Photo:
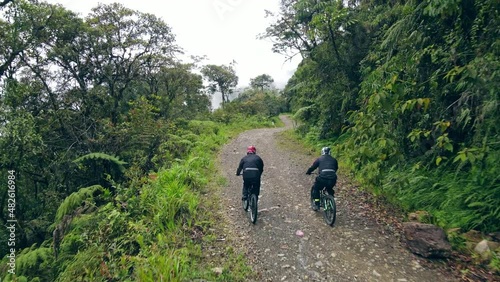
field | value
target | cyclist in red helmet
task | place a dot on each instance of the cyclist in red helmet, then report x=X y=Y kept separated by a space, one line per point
x=252 y=167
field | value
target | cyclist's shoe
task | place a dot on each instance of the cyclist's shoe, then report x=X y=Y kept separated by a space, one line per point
x=244 y=198
x=315 y=205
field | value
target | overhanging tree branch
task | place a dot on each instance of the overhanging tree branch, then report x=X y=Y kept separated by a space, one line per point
x=5 y=2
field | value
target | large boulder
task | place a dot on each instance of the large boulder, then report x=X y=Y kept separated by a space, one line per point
x=426 y=240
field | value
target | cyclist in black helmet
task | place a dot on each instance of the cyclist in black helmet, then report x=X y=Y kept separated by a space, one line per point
x=327 y=167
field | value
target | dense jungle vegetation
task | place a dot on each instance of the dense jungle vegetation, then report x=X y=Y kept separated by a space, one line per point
x=113 y=139
x=408 y=92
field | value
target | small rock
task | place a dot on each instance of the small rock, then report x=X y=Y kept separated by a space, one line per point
x=299 y=233
x=485 y=247
x=376 y=273
x=482 y=247
x=318 y=264
x=218 y=270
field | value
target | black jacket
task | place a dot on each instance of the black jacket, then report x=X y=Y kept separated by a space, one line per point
x=327 y=167
x=251 y=165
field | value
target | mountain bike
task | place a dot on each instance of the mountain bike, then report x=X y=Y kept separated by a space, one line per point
x=327 y=203
x=251 y=203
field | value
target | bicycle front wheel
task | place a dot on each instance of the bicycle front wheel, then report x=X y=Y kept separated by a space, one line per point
x=329 y=209
x=253 y=208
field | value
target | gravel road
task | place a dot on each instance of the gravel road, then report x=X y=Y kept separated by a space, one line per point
x=356 y=248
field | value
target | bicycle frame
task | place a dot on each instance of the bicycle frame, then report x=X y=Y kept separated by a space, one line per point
x=327 y=202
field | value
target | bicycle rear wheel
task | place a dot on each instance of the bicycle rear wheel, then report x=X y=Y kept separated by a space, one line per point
x=253 y=208
x=329 y=209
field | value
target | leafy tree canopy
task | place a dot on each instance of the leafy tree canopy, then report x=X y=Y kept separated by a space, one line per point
x=222 y=79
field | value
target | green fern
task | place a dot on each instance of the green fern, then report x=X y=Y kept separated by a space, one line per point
x=302 y=113
x=34 y=262
x=75 y=200
x=102 y=156
x=85 y=263
x=33 y=258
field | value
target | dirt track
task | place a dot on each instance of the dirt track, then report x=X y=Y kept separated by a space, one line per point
x=357 y=248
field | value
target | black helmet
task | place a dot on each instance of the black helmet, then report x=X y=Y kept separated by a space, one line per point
x=325 y=151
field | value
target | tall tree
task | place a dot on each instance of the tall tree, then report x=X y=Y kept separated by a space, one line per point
x=22 y=28
x=261 y=82
x=221 y=79
x=174 y=88
x=123 y=42
x=332 y=42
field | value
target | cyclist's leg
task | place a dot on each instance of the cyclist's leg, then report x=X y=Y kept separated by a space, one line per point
x=245 y=189
x=329 y=186
x=315 y=192
x=256 y=187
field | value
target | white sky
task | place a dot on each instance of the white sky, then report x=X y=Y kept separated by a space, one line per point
x=223 y=30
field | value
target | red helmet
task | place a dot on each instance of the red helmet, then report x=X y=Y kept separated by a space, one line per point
x=251 y=150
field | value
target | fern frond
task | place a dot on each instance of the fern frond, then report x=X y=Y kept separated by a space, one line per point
x=301 y=112
x=33 y=259
x=75 y=200
x=102 y=156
